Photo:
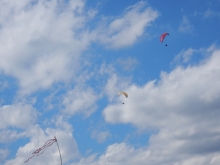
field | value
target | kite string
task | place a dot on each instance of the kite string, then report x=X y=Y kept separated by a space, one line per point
x=58 y=149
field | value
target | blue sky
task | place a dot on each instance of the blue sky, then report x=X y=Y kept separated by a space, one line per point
x=63 y=63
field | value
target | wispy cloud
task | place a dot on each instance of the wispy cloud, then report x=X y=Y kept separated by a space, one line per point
x=101 y=136
x=127 y=64
x=125 y=30
x=185 y=55
x=185 y=26
x=8 y=135
x=209 y=13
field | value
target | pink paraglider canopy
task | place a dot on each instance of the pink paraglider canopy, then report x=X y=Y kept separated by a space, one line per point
x=163 y=36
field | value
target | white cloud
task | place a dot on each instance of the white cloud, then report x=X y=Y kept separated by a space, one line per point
x=123 y=153
x=215 y=160
x=17 y=115
x=38 y=137
x=3 y=154
x=113 y=82
x=185 y=55
x=80 y=100
x=175 y=92
x=118 y=154
x=39 y=42
x=185 y=26
x=125 y=31
x=114 y=85
x=10 y=135
x=184 y=107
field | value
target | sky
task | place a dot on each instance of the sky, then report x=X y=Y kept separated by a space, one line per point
x=63 y=62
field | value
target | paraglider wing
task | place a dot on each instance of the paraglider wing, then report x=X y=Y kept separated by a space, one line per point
x=163 y=36
x=124 y=93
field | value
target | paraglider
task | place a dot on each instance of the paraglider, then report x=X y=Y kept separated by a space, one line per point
x=124 y=93
x=162 y=37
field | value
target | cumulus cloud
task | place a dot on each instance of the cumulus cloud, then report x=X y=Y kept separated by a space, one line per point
x=10 y=135
x=17 y=115
x=80 y=100
x=39 y=42
x=39 y=136
x=125 y=30
x=114 y=85
x=174 y=89
x=123 y=153
x=183 y=106
x=3 y=154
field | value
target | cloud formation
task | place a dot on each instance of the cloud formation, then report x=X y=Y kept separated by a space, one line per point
x=80 y=100
x=40 y=41
x=183 y=106
x=18 y=115
x=209 y=13
x=37 y=43
x=46 y=48
x=125 y=30
x=38 y=136
x=127 y=64
x=185 y=26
